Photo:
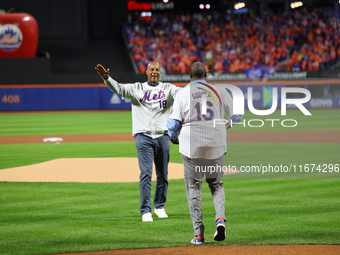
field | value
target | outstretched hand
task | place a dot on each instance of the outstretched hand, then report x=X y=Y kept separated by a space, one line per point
x=102 y=72
x=206 y=71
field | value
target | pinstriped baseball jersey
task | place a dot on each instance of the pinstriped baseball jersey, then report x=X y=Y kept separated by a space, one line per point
x=199 y=137
x=150 y=104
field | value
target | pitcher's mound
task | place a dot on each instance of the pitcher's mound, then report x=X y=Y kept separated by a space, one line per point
x=83 y=170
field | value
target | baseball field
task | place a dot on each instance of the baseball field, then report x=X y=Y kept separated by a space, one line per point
x=81 y=195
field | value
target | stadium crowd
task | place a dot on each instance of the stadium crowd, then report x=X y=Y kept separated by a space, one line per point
x=300 y=40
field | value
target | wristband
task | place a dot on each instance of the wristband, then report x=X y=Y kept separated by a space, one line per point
x=106 y=77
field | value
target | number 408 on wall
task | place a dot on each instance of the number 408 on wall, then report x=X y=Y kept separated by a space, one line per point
x=10 y=99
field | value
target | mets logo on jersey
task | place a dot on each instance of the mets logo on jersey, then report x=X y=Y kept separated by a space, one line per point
x=10 y=37
x=211 y=94
x=152 y=97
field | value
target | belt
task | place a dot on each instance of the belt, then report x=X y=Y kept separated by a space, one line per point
x=163 y=132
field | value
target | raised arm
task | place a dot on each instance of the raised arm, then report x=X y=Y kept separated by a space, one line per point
x=125 y=91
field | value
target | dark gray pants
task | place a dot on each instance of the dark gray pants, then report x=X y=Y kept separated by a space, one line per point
x=150 y=150
x=194 y=172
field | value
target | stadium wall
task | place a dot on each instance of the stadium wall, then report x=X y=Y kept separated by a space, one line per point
x=324 y=93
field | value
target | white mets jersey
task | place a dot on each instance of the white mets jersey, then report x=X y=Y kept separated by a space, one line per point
x=150 y=105
x=197 y=106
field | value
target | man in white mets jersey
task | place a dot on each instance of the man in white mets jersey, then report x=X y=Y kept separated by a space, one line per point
x=202 y=144
x=151 y=102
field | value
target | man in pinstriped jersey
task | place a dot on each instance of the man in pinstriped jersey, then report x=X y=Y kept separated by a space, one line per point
x=202 y=144
x=151 y=102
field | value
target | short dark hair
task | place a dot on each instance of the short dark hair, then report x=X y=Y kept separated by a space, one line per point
x=197 y=70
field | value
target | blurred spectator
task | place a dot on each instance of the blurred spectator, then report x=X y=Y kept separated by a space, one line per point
x=299 y=40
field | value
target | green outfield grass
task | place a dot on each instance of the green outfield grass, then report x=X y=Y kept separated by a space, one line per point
x=45 y=218
x=47 y=123
x=319 y=120
x=107 y=122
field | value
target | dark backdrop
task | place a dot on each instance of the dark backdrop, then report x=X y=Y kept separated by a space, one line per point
x=76 y=34
x=77 y=21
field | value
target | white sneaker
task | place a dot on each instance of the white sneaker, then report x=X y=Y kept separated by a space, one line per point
x=147 y=217
x=161 y=213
